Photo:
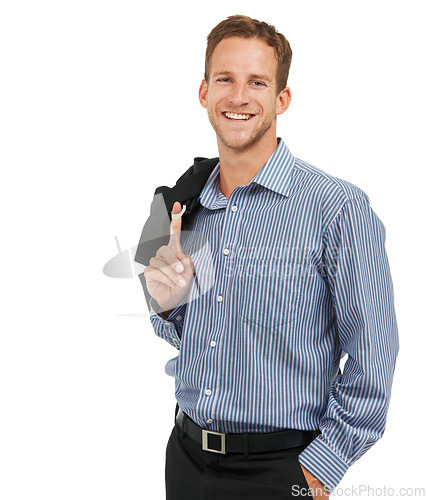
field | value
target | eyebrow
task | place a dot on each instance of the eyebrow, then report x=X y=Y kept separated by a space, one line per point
x=253 y=75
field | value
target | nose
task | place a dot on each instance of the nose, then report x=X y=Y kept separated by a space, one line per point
x=238 y=94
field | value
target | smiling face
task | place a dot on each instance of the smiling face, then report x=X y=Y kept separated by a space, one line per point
x=241 y=95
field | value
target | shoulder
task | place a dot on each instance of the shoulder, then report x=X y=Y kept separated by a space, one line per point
x=200 y=169
x=200 y=164
x=328 y=184
x=330 y=193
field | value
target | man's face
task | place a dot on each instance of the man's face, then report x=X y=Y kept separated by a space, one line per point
x=243 y=81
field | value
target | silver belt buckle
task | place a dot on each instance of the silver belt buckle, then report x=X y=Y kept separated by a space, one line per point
x=205 y=444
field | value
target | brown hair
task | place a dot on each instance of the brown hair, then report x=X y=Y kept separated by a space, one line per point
x=246 y=27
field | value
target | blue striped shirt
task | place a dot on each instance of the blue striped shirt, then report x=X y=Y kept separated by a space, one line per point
x=291 y=274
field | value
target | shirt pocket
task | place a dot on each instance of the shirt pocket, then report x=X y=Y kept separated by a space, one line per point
x=268 y=292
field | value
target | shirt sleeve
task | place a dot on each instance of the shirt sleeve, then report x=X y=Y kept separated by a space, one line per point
x=169 y=329
x=358 y=275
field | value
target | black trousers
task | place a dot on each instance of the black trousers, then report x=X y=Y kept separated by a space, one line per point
x=194 y=474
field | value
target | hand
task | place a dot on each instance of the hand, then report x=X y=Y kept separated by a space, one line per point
x=319 y=491
x=169 y=274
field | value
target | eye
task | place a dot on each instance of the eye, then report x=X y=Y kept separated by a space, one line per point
x=222 y=79
x=259 y=84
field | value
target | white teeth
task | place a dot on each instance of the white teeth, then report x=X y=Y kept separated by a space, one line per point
x=236 y=116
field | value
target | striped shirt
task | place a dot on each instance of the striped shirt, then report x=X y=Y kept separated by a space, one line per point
x=291 y=274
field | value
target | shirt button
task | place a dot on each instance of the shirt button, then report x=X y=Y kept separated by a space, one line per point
x=209 y=421
x=213 y=343
x=208 y=392
x=168 y=324
x=178 y=318
x=226 y=251
x=219 y=298
x=234 y=208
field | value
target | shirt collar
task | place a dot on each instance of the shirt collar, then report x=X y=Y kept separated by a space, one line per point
x=275 y=174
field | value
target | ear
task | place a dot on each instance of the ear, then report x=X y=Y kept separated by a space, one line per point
x=202 y=93
x=283 y=101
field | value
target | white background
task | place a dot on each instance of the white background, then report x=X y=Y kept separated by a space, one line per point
x=99 y=106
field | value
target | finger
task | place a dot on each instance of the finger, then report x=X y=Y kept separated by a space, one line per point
x=188 y=266
x=153 y=274
x=166 y=253
x=186 y=269
x=161 y=265
x=175 y=229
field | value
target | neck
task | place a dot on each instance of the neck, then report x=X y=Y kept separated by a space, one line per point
x=237 y=168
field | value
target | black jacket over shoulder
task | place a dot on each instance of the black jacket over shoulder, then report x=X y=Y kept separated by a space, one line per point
x=156 y=231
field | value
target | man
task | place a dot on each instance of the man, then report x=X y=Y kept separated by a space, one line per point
x=281 y=270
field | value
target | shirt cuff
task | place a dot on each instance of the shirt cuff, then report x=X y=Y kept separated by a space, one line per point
x=176 y=316
x=324 y=463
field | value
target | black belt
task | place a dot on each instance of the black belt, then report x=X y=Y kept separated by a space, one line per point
x=218 y=442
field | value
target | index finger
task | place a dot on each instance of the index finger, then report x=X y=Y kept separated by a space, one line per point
x=175 y=229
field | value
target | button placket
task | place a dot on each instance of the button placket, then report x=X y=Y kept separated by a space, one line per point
x=222 y=283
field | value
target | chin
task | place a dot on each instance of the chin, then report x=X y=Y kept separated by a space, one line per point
x=235 y=141
x=239 y=143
